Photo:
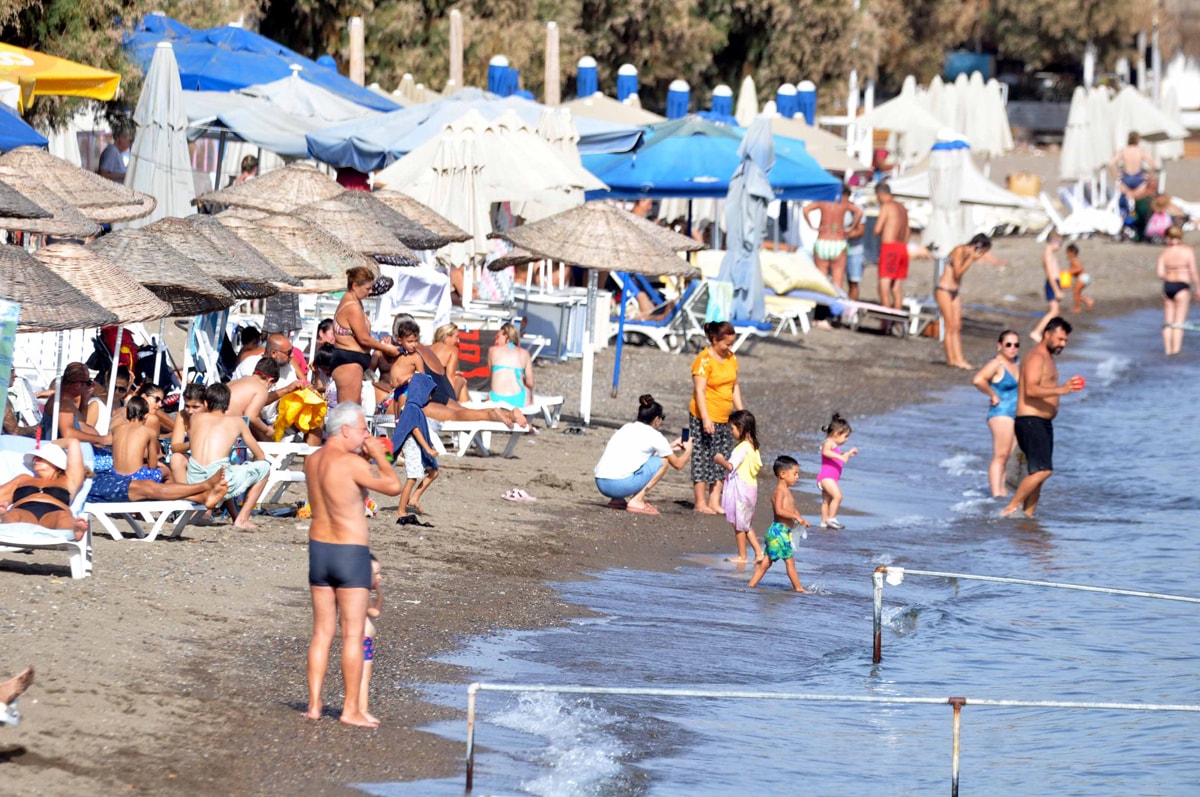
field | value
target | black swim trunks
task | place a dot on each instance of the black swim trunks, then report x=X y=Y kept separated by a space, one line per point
x=1172 y=288
x=1035 y=436
x=339 y=566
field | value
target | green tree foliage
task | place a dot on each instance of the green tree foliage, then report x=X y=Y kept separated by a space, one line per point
x=1048 y=32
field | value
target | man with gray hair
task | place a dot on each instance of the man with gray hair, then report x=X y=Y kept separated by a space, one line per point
x=350 y=463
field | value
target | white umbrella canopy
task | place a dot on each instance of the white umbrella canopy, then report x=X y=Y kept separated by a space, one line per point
x=498 y=160
x=1134 y=113
x=159 y=164
x=1171 y=149
x=747 y=102
x=934 y=98
x=828 y=150
x=307 y=101
x=963 y=112
x=996 y=98
x=1075 y=161
x=905 y=116
x=606 y=109
x=947 y=223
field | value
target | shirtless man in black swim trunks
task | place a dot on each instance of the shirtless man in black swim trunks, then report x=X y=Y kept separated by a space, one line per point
x=1038 y=392
x=339 y=562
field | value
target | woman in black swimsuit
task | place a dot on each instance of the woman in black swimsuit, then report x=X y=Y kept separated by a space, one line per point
x=352 y=339
x=1176 y=267
x=45 y=497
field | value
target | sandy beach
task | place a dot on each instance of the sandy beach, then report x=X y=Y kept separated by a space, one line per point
x=178 y=668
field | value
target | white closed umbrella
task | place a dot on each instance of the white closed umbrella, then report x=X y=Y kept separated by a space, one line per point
x=1133 y=112
x=747 y=102
x=1100 y=126
x=159 y=164
x=996 y=97
x=1075 y=160
x=947 y=226
x=905 y=116
x=1171 y=149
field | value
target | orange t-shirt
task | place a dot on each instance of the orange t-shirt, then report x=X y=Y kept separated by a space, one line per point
x=718 y=391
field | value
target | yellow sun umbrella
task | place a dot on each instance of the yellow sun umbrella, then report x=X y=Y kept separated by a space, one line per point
x=41 y=75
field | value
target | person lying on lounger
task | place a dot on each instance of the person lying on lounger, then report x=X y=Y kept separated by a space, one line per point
x=44 y=498
x=135 y=448
x=417 y=357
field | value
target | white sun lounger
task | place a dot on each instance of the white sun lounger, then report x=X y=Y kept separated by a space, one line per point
x=18 y=537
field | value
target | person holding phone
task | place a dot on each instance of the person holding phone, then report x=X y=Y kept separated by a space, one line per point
x=636 y=458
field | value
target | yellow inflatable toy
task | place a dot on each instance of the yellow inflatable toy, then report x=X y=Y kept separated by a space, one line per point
x=304 y=410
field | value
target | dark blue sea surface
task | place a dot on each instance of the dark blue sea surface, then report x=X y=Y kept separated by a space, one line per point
x=1120 y=511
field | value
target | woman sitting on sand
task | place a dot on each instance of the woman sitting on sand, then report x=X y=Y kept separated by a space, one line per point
x=636 y=457
x=947 y=294
x=998 y=380
x=44 y=498
x=1177 y=269
x=511 y=368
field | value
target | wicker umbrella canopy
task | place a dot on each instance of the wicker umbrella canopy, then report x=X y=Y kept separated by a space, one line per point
x=599 y=235
x=14 y=204
x=244 y=224
x=172 y=277
x=250 y=261
x=324 y=285
x=66 y=222
x=409 y=232
x=104 y=282
x=48 y=303
x=316 y=246
x=96 y=197
x=233 y=276
x=666 y=236
x=422 y=214
x=513 y=257
x=357 y=230
x=280 y=191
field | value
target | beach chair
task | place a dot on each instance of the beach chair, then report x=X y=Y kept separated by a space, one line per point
x=282 y=456
x=30 y=537
x=549 y=407
x=665 y=333
x=465 y=434
x=789 y=313
x=751 y=332
x=1081 y=223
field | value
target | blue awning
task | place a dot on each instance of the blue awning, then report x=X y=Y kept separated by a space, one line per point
x=15 y=133
x=228 y=58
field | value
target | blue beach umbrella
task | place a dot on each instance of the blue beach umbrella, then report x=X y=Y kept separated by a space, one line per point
x=785 y=100
x=497 y=76
x=722 y=107
x=587 y=80
x=746 y=222
x=692 y=158
x=627 y=81
x=806 y=100
x=15 y=133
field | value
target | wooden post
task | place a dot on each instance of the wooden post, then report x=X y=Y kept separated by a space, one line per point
x=358 y=70
x=456 y=51
x=553 y=83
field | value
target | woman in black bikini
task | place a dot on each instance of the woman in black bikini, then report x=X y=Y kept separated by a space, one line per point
x=1177 y=269
x=44 y=498
x=950 y=303
x=352 y=339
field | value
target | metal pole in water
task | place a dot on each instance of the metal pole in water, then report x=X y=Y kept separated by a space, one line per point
x=471 y=690
x=877 y=582
x=957 y=703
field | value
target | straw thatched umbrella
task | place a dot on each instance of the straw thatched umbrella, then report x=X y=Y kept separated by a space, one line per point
x=172 y=277
x=250 y=261
x=48 y=303
x=316 y=246
x=235 y=277
x=245 y=225
x=409 y=232
x=422 y=214
x=15 y=205
x=66 y=221
x=110 y=287
x=358 y=231
x=599 y=235
x=96 y=197
x=280 y=191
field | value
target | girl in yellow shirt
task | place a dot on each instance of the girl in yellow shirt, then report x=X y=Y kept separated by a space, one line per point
x=741 y=483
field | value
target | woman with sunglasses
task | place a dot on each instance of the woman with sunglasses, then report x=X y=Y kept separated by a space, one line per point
x=998 y=381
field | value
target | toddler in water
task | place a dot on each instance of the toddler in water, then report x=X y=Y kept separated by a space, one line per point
x=779 y=535
x=1076 y=279
x=832 y=462
x=741 y=483
x=373 y=611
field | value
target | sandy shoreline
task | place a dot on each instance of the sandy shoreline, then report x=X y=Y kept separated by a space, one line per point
x=179 y=667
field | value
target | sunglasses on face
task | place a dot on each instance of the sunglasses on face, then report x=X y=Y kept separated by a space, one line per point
x=1016 y=345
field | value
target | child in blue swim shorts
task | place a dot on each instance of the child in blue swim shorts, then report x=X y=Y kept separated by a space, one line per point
x=779 y=534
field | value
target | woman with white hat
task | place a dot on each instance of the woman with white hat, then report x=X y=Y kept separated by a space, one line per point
x=44 y=498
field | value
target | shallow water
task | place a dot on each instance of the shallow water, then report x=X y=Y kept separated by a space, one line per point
x=1118 y=513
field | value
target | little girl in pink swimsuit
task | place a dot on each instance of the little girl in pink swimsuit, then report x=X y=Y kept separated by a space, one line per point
x=832 y=462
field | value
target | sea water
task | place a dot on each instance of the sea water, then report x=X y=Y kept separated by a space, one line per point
x=1118 y=512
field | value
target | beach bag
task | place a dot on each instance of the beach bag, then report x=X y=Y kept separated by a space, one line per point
x=304 y=410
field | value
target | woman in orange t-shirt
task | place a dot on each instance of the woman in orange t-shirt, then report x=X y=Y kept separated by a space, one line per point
x=715 y=394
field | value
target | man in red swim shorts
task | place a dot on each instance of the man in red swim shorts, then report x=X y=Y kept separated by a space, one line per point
x=892 y=229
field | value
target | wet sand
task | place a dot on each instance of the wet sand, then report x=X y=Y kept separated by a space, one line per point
x=178 y=668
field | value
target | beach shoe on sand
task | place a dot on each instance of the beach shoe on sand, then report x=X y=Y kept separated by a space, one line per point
x=518 y=495
x=834 y=524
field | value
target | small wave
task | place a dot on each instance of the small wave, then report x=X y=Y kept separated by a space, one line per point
x=976 y=505
x=580 y=755
x=960 y=465
x=1112 y=368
